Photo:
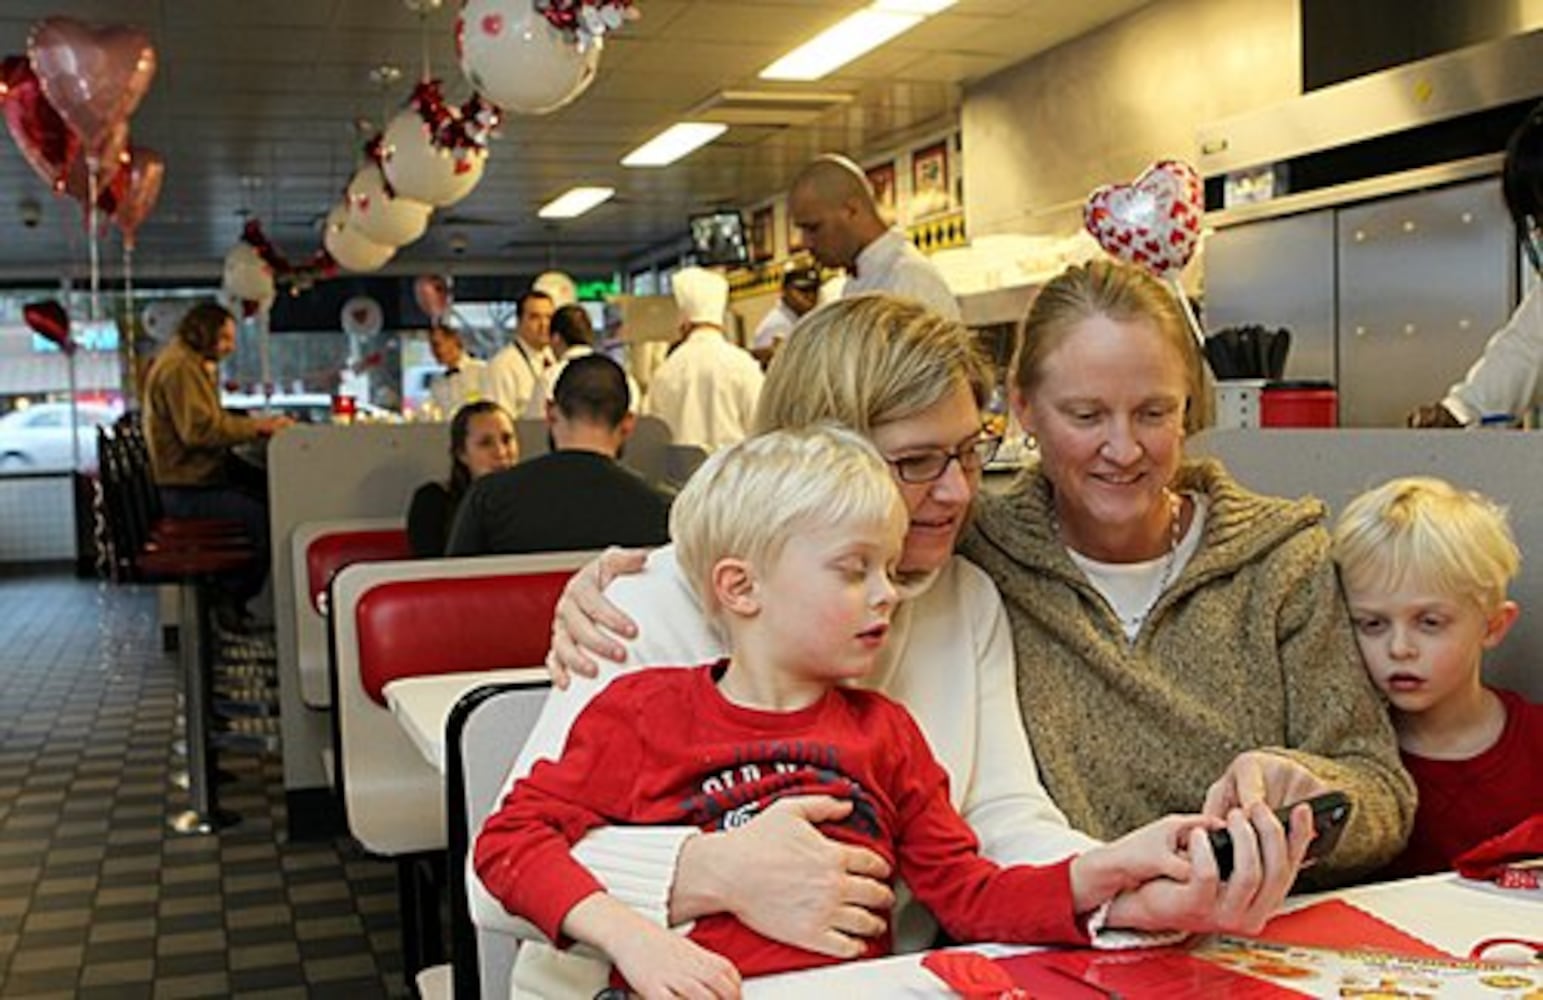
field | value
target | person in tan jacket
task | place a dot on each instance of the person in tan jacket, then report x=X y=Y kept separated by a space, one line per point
x=190 y=436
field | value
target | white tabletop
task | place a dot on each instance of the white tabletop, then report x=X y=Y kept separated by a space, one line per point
x=422 y=705
x=1451 y=913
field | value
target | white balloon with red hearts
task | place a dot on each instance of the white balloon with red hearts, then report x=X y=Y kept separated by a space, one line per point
x=422 y=171
x=247 y=277
x=381 y=216
x=515 y=58
x=350 y=248
x=362 y=317
x=1153 y=222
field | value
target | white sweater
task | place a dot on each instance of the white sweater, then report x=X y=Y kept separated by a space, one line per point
x=949 y=659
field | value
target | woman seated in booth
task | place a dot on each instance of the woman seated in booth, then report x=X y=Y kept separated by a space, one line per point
x=481 y=441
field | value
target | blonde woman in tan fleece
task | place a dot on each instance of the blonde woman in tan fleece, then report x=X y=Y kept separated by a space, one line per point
x=1170 y=626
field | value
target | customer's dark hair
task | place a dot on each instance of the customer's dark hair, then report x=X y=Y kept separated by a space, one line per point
x=460 y=427
x=594 y=389
x=200 y=327
x=571 y=323
x=1522 y=177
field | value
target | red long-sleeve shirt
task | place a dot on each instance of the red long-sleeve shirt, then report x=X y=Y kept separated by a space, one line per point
x=1465 y=802
x=665 y=747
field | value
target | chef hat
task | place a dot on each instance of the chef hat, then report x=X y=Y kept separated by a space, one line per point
x=700 y=295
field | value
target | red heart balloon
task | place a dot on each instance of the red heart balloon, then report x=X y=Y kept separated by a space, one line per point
x=141 y=181
x=44 y=139
x=50 y=320
x=1153 y=222
x=94 y=77
x=432 y=293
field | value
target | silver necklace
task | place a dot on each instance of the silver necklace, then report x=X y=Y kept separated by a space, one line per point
x=1133 y=623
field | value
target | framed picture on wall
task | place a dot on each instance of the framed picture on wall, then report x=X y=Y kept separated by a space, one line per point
x=882 y=179
x=795 y=235
x=930 y=181
x=763 y=238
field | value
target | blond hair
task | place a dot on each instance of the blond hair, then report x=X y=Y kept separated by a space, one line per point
x=747 y=500
x=1122 y=293
x=1425 y=530
x=868 y=360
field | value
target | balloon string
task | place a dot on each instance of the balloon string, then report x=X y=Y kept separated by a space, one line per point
x=1189 y=312
x=131 y=376
x=91 y=239
x=423 y=37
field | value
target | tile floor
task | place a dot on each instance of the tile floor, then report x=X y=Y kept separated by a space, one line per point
x=97 y=897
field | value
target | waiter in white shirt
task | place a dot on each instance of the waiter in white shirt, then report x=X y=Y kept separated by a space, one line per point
x=707 y=388
x=464 y=379
x=514 y=374
x=832 y=203
x=800 y=293
x=573 y=337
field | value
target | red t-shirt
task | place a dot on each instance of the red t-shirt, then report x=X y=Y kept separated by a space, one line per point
x=1465 y=802
x=665 y=747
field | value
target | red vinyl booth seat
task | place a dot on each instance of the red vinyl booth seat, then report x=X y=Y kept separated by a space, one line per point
x=327 y=554
x=413 y=628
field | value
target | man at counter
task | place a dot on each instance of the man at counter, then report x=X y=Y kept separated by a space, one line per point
x=800 y=293
x=189 y=435
x=514 y=374
x=1503 y=383
x=832 y=203
x=464 y=379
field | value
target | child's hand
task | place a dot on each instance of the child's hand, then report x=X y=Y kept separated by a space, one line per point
x=660 y=963
x=1158 y=850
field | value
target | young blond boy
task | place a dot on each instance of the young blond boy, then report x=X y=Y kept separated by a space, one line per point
x=791 y=540
x=1425 y=568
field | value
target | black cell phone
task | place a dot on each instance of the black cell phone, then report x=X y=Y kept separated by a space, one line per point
x=1331 y=811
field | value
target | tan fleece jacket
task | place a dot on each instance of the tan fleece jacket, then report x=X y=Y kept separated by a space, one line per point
x=1250 y=648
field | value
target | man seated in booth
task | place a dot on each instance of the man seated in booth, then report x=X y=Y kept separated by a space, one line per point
x=576 y=496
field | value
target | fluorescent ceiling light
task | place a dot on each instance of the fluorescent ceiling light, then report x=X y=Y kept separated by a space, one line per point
x=855 y=35
x=673 y=143
x=575 y=202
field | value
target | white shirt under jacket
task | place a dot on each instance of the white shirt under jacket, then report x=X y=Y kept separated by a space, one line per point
x=1505 y=378
x=948 y=659
x=514 y=374
x=706 y=391
x=452 y=390
x=535 y=409
x=891 y=264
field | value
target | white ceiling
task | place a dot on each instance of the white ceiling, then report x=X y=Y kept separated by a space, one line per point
x=255 y=102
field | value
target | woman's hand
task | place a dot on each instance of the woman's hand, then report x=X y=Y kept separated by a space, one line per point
x=1264 y=866
x=583 y=616
x=1260 y=776
x=786 y=880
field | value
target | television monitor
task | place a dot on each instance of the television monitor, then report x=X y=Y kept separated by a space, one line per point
x=719 y=238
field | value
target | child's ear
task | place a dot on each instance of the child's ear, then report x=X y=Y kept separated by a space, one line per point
x=734 y=587
x=1499 y=623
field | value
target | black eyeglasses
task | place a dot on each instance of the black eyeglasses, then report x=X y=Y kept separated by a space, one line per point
x=930 y=464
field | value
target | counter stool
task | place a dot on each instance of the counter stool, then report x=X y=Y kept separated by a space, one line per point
x=196 y=571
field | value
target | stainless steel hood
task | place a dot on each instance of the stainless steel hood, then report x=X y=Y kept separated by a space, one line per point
x=1448 y=86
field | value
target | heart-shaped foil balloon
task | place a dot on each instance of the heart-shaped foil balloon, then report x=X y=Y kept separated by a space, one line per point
x=1153 y=222
x=45 y=140
x=50 y=321
x=95 y=77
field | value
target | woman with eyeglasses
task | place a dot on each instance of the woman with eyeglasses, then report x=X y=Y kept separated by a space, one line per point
x=1180 y=640
x=913 y=383
x=1504 y=384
